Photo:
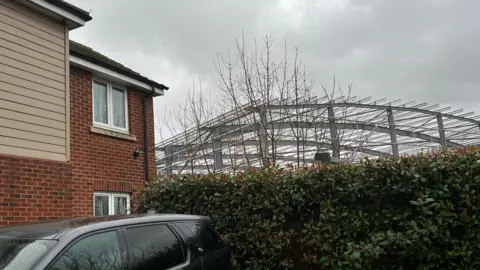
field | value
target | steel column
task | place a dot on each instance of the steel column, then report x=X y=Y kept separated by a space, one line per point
x=393 y=132
x=217 y=151
x=263 y=136
x=333 y=133
x=168 y=150
x=441 y=131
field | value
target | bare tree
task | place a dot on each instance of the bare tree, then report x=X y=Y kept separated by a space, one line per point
x=301 y=96
x=266 y=102
x=259 y=82
x=190 y=121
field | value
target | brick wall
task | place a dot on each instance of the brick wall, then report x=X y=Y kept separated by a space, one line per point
x=101 y=162
x=34 y=189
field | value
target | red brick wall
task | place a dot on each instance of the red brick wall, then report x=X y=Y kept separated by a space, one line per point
x=101 y=162
x=34 y=189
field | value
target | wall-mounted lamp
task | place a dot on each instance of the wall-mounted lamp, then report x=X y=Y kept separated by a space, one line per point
x=137 y=153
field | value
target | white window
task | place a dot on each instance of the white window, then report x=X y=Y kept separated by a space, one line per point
x=110 y=106
x=105 y=204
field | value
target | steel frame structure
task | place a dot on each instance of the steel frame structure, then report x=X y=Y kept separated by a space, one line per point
x=282 y=132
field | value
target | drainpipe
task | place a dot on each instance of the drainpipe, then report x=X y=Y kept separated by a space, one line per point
x=145 y=136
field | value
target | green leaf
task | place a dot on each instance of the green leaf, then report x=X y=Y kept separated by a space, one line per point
x=404 y=213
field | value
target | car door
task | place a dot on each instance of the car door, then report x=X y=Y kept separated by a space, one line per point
x=156 y=246
x=207 y=245
x=97 y=251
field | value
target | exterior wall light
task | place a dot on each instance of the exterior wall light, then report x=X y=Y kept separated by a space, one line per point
x=137 y=153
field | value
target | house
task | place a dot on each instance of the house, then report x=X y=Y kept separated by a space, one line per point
x=76 y=128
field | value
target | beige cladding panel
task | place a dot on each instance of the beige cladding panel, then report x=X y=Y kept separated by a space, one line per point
x=37 y=19
x=32 y=124
x=32 y=83
x=37 y=63
x=31 y=18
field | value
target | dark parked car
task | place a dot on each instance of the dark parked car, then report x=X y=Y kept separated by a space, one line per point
x=133 y=242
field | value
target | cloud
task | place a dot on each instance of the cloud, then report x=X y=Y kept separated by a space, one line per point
x=415 y=50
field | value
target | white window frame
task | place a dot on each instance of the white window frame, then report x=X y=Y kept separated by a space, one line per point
x=111 y=200
x=110 y=87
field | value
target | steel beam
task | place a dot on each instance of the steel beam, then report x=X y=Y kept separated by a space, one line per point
x=205 y=167
x=324 y=125
x=373 y=106
x=195 y=167
x=228 y=156
x=178 y=149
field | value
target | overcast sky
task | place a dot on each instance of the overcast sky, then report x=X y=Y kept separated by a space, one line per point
x=423 y=50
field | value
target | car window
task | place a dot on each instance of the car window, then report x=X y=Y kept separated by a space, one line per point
x=22 y=253
x=99 y=251
x=200 y=235
x=154 y=247
x=190 y=238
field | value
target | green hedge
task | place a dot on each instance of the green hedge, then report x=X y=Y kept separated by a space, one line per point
x=407 y=213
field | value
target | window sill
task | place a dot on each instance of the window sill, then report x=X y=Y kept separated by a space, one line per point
x=112 y=133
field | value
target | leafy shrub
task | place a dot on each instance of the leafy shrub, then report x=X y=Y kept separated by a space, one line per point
x=406 y=213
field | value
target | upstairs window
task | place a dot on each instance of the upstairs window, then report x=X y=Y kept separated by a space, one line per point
x=110 y=106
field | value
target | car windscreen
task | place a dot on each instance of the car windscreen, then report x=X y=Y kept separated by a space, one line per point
x=18 y=253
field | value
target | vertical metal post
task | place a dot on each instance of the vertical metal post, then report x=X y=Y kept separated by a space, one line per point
x=217 y=150
x=333 y=133
x=393 y=132
x=168 y=151
x=263 y=136
x=441 y=132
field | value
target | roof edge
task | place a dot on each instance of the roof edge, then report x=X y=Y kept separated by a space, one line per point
x=119 y=70
x=72 y=9
x=73 y=16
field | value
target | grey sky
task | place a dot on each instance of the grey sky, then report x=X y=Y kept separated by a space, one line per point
x=423 y=50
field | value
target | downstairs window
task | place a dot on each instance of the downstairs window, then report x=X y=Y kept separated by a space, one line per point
x=105 y=204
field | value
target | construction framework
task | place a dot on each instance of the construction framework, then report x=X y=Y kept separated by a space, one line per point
x=291 y=132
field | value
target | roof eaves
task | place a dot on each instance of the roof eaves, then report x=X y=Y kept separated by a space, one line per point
x=88 y=54
x=84 y=15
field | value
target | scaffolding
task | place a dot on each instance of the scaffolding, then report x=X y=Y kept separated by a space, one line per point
x=291 y=132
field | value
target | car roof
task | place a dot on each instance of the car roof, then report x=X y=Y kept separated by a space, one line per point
x=52 y=230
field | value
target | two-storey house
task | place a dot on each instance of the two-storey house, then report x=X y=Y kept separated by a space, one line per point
x=76 y=128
